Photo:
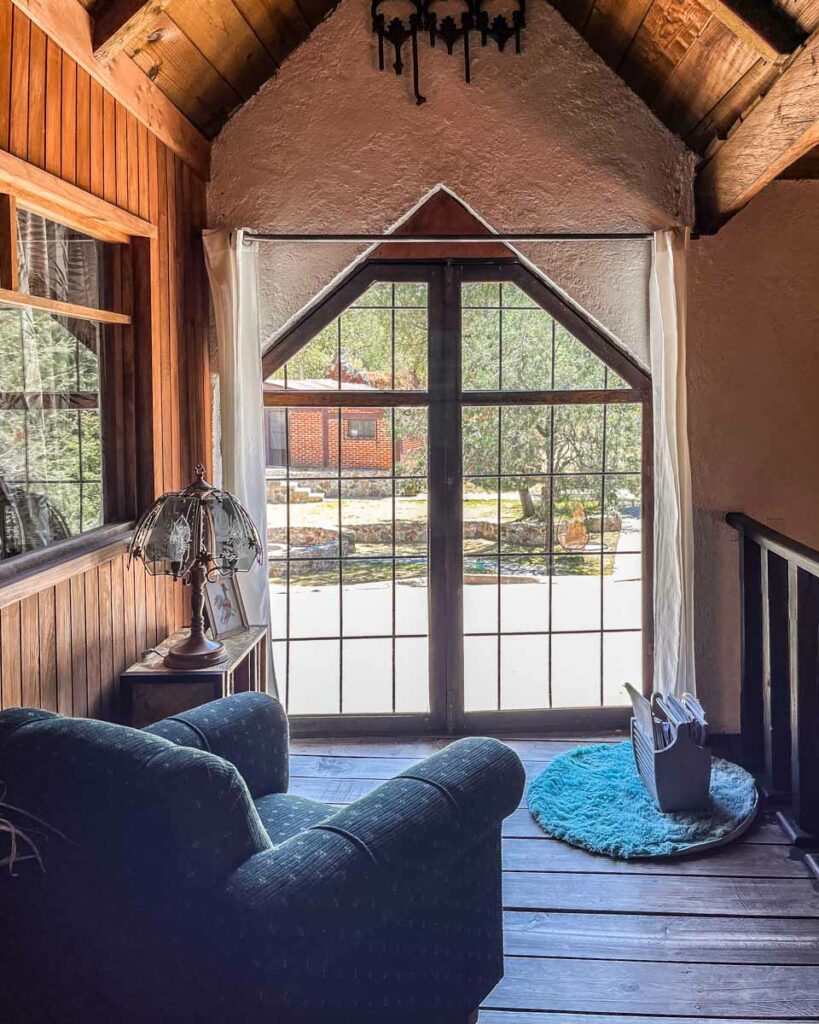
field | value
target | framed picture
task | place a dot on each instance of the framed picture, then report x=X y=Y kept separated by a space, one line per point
x=226 y=612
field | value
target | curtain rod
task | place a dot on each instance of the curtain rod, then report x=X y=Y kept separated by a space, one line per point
x=530 y=236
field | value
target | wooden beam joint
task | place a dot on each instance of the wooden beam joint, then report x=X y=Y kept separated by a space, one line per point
x=120 y=23
x=782 y=127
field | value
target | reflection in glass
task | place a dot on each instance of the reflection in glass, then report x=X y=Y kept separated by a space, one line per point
x=57 y=262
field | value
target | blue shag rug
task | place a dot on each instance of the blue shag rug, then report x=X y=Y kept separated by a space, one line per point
x=593 y=797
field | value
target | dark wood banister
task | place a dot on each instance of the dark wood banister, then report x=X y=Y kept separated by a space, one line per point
x=791 y=550
x=779 y=584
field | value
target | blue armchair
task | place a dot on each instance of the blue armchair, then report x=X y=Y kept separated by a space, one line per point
x=187 y=885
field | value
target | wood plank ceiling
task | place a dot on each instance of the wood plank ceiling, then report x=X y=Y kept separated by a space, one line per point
x=704 y=67
x=207 y=56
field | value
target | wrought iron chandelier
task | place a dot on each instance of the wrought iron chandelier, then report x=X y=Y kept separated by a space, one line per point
x=424 y=19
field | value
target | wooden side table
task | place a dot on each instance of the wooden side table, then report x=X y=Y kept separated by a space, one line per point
x=151 y=691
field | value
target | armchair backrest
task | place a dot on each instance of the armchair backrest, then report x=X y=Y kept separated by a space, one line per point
x=128 y=803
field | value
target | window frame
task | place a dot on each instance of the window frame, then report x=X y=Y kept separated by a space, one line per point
x=369 y=422
x=128 y=465
x=445 y=278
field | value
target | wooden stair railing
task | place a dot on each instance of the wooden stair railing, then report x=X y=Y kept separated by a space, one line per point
x=779 y=583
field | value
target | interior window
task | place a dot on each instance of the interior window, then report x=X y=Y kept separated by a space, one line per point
x=52 y=391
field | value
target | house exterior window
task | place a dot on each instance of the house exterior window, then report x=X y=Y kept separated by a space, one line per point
x=363 y=429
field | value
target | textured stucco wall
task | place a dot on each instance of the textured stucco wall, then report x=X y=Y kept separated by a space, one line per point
x=753 y=372
x=550 y=140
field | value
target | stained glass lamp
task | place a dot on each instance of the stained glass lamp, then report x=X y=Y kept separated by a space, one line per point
x=196 y=535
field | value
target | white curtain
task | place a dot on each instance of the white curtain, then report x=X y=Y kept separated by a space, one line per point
x=673 y=515
x=232 y=273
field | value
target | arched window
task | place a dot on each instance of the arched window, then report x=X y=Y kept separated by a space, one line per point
x=459 y=504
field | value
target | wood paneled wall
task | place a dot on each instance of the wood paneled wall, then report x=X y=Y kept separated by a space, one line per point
x=62 y=648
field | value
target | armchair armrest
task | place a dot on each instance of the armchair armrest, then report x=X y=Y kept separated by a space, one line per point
x=248 y=729
x=419 y=822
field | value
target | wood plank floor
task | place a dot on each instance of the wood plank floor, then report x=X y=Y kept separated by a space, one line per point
x=731 y=935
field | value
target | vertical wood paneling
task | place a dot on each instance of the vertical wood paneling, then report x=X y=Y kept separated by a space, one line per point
x=121 y=131
x=47 y=641
x=118 y=633
x=133 y=163
x=11 y=685
x=83 y=135
x=96 y=138
x=53 y=108
x=18 y=128
x=65 y=647
x=91 y=584
x=106 y=641
x=109 y=148
x=65 y=680
x=36 y=97
x=5 y=71
x=129 y=618
x=30 y=652
x=68 y=121
x=79 y=664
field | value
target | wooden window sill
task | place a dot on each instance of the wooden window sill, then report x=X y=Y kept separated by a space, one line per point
x=29 y=573
x=9 y=298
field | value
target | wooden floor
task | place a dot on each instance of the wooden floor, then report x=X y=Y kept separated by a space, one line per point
x=731 y=935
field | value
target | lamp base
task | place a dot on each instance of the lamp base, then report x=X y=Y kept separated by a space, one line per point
x=197 y=651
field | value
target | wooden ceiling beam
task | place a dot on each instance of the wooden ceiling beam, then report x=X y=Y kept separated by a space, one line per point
x=70 y=26
x=756 y=23
x=782 y=127
x=119 y=23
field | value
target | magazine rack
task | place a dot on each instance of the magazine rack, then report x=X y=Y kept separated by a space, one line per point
x=678 y=777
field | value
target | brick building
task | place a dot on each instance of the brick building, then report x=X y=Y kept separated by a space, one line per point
x=313 y=435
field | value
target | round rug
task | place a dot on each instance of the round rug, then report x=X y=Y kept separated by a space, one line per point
x=593 y=797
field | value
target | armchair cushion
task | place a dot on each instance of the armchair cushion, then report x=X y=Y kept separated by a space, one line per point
x=247 y=729
x=284 y=815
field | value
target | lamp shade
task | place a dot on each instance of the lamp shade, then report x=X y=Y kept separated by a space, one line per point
x=201 y=524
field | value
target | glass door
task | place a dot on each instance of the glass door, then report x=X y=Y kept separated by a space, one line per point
x=348 y=490
x=456 y=482
x=552 y=443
